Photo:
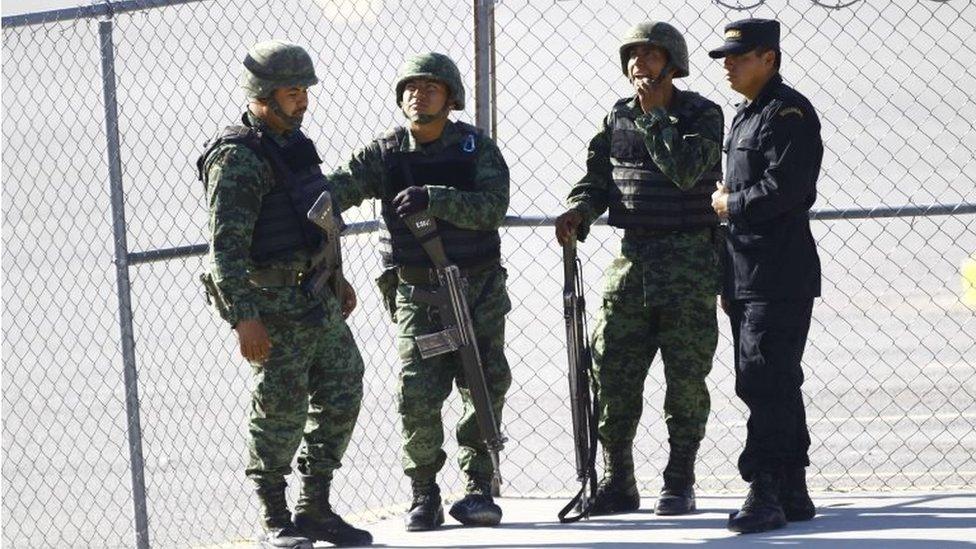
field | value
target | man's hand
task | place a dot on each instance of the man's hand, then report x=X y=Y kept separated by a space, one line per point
x=255 y=343
x=566 y=225
x=649 y=94
x=348 y=303
x=411 y=200
x=720 y=200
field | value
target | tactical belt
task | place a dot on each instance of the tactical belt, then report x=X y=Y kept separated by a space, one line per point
x=640 y=232
x=424 y=276
x=270 y=278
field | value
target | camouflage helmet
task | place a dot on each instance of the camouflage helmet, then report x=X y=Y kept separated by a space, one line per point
x=276 y=64
x=435 y=66
x=657 y=33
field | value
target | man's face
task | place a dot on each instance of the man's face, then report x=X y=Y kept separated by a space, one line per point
x=646 y=61
x=288 y=106
x=747 y=72
x=424 y=99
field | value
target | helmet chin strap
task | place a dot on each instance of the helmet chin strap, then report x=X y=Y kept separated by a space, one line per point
x=422 y=118
x=664 y=72
x=292 y=122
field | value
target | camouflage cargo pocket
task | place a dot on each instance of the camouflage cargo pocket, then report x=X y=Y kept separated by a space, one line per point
x=619 y=278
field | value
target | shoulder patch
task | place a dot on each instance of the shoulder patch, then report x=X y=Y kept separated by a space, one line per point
x=791 y=110
x=468 y=145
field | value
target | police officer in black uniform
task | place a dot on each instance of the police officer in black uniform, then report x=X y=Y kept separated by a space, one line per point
x=772 y=270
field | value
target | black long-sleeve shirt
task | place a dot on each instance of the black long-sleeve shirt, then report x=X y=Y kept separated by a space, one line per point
x=773 y=155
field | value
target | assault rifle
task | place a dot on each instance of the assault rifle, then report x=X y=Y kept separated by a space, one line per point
x=584 y=413
x=458 y=332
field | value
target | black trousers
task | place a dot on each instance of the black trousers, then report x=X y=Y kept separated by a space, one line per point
x=769 y=338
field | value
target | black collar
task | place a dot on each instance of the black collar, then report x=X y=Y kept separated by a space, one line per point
x=773 y=82
x=763 y=94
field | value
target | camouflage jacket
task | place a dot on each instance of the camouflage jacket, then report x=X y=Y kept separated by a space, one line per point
x=365 y=177
x=237 y=179
x=682 y=158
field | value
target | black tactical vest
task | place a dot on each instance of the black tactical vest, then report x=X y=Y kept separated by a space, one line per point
x=453 y=168
x=282 y=226
x=643 y=197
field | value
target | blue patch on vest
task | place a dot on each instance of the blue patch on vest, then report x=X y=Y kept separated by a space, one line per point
x=468 y=145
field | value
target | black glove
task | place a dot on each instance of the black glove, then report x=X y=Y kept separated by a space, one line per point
x=411 y=200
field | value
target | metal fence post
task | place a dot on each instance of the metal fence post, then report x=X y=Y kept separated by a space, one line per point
x=130 y=375
x=484 y=66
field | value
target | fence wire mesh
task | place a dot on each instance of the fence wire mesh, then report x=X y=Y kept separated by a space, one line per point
x=890 y=378
x=889 y=358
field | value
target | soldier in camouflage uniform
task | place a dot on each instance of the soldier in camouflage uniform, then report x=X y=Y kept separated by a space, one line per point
x=261 y=176
x=653 y=165
x=457 y=174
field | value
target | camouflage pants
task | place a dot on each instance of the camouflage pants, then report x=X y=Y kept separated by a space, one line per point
x=426 y=383
x=659 y=293
x=311 y=384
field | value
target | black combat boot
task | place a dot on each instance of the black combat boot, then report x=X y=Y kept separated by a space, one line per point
x=794 y=497
x=426 y=511
x=315 y=518
x=678 y=495
x=761 y=510
x=617 y=491
x=477 y=507
x=279 y=531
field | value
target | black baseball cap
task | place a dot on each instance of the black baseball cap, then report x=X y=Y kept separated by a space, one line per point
x=747 y=35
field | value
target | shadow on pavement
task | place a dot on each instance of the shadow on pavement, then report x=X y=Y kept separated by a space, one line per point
x=878 y=523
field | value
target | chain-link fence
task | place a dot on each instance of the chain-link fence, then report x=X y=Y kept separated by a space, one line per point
x=890 y=378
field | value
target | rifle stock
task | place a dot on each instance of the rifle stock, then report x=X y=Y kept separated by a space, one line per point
x=327 y=261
